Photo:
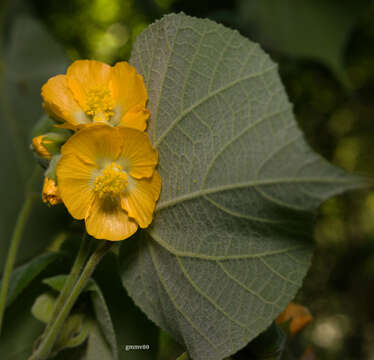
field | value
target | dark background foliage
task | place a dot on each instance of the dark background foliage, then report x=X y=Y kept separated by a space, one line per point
x=326 y=59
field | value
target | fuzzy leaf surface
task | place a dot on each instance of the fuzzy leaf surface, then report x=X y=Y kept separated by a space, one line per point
x=231 y=240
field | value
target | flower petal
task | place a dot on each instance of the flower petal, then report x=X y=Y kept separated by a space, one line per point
x=59 y=101
x=138 y=157
x=135 y=118
x=74 y=178
x=97 y=144
x=128 y=87
x=85 y=75
x=140 y=199
x=107 y=220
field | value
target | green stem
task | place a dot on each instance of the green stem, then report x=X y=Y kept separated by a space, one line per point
x=72 y=278
x=12 y=253
x=184 y=356
x=50 y=337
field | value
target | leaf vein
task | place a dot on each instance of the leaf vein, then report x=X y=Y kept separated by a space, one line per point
x=163 y=78
x=254 y=183
x=206 y=98
x=279 y=274
x=254 y=293
x=176 y=305
x=179 y=253
x=204 y=295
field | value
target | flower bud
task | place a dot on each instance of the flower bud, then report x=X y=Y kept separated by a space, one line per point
x=39 y=147
x=49 y=144
x=50 y=194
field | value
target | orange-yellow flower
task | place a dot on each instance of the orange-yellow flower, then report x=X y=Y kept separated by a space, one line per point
x=298 y=316
x=50 y=193
x=106 y=176
x=39 y=147
x=93 y=92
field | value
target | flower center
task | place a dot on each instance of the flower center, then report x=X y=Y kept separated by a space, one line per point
x=112 y=181
x=99 y=104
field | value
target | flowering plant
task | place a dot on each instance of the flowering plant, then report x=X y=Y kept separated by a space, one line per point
x=177 y=153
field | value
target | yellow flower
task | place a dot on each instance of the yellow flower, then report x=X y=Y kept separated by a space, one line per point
x=50 y=194
x=106 y=176
x=38 y=146
x=93 y=92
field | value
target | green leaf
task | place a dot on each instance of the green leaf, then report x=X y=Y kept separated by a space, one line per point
x=102 y=314
x=97 y=346
x=130 y=324
x=42 y=308
x=167 y=347
x=76 y=327
x=56 y=282
x=29 y=59
x=317 y=29
x=23 y=275
x=103 y=318
x=231 y=240
x=74 y=333
x=20 y=327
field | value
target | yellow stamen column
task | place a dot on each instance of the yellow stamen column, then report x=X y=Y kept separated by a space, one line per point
x=112 y=181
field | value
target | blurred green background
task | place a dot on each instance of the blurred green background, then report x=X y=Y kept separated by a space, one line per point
x=325 y=51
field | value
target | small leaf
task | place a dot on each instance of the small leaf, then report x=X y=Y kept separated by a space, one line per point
x=231 y=240
x=75 y=331
x=103 y=317
x=102 y=313
x=76 y=327
x=167 y=347
x=97 y=346
x=56 y=282
x=23 y=275
x=43 y=307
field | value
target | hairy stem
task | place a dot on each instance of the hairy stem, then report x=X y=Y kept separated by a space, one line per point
x=72 y=278
x=46 y=346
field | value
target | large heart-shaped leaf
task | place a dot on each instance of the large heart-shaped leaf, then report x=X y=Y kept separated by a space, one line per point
x=231 y=240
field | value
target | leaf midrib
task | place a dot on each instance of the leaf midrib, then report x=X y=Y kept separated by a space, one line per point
x=254 y=183
x=181 y=253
